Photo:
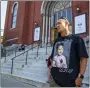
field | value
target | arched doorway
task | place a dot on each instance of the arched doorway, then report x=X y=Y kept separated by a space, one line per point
x=51 y=11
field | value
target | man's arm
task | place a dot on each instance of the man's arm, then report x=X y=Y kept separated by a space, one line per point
x=82 y=54
x=83 y=64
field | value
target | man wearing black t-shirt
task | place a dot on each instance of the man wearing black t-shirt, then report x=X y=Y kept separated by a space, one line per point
x=68 y=50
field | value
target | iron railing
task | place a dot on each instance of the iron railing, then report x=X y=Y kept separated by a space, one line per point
x=26 y=56
x=14 y=49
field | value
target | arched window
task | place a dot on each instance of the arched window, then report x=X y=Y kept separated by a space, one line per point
x=62 y=9
x=14 y=14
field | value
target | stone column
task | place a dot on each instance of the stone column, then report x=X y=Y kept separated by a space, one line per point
x=43 y=28
x=46 y=30
x=49 y=29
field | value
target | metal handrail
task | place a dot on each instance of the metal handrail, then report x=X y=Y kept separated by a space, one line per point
x=10 y=51
x=15 y=50
x=26 y=56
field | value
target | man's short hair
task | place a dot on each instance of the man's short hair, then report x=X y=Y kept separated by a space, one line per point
x=65 y=19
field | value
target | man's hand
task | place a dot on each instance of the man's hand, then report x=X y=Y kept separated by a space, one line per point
x=78 y=81
x=83 y=65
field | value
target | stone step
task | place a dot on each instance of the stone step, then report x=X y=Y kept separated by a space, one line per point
x=36 y=68
x=14 y=66
x=30 y=64
x=43 y=72
x=19 y=58
x=29 y=75
x=32 y=76
x=25 y=80
x=22 y=61
x=44 y=68
x=8 y=71
x=34 y=71
x=33 y=62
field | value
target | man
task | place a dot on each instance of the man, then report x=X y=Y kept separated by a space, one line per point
x=76 y=57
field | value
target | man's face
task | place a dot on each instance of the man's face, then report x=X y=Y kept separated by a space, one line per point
x=60 y=25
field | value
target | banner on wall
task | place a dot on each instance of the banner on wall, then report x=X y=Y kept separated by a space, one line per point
x=37 y=34
x=80 y=24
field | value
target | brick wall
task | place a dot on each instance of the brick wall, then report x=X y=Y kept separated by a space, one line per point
x=84 y=8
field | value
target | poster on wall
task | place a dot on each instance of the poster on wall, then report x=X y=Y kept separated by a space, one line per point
x=80 y=24
x=37 y=34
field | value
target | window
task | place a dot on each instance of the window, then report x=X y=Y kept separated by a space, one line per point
x=69 y=14
x=62 y=9
x=55 y=19
x=59 y=14
x=14 y=15
x=64 y=13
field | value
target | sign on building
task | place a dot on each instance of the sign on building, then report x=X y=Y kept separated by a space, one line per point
x=80 y=24
x=37 y=34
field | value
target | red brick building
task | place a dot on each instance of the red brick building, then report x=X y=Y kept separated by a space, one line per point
x=23 y=16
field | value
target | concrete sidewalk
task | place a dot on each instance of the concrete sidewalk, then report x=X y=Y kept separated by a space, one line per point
x=8 y=80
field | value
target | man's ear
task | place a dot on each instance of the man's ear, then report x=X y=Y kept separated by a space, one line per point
x=66 y=23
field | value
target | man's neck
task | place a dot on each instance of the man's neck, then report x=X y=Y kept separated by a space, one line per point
x=65 y=33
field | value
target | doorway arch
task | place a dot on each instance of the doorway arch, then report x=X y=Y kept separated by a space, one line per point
x=51 y=11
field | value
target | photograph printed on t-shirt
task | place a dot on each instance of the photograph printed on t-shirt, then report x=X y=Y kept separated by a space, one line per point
x=61 y=55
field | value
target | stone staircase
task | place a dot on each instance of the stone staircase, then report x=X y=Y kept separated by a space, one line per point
x=36 y=68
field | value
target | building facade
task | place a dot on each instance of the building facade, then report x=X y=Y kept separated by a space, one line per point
x=22 y=17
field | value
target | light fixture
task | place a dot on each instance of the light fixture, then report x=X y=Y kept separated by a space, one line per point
x=35 y=23
x=78 y=9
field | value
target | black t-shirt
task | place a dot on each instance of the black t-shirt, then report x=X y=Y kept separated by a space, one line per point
x=66 y=55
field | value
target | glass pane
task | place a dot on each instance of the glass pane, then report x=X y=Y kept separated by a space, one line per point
x=70 y=3
x=14 y=19
x=15 y=12
x=59 y=15
x=55 y=19
x=64 y=13
x=69 y=14
x=13 y=24
x=15 y=6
